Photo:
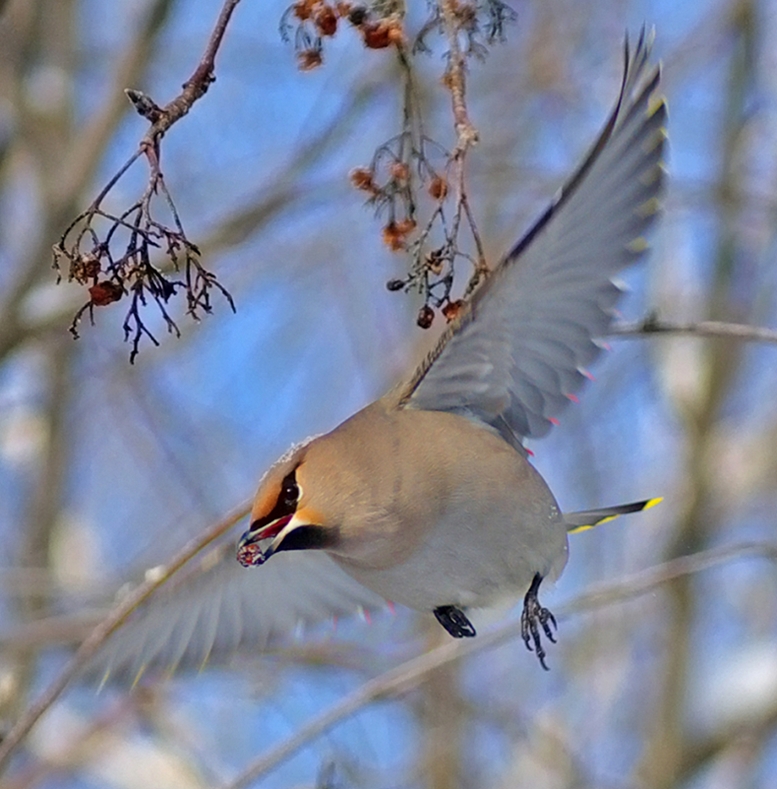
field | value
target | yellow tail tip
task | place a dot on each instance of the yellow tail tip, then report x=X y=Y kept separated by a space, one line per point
x=646 y=505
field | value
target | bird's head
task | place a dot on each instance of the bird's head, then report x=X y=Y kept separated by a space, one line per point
x=283 y=517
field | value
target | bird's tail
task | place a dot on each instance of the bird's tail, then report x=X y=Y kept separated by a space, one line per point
x=587 y=519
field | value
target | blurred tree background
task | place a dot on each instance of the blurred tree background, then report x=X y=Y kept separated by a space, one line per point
x=107 y=468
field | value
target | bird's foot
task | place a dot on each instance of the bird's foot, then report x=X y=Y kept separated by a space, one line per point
x=454 y=621
x=533 y=617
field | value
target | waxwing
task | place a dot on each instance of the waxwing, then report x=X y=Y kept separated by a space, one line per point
x=426 y=497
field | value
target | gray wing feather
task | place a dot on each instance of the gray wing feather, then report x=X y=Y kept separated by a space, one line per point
x=210 y=613
x=522 y=349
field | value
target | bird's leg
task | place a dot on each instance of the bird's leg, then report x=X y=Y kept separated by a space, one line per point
x=454 y=621
x=532 y=615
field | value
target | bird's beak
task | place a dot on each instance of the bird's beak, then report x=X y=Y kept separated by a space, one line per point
x=293 y=532
x=249 y=551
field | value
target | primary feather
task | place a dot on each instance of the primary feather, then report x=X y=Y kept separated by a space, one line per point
x=523 y=346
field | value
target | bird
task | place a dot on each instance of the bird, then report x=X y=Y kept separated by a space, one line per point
x=427 y=497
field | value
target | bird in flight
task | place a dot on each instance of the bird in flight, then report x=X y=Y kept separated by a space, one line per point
x=427 y=497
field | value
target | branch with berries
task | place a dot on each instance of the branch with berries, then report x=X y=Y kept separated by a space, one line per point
x=411 y=168
x=111 y=253
x=413 y=182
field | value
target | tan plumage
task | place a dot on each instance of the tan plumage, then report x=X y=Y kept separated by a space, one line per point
x=426 y=497
x=405 y=514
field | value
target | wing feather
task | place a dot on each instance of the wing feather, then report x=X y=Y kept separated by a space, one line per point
x=518 y=353
x=211 y=613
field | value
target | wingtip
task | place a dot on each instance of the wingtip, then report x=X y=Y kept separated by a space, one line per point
x=141 y=671
x=658 y=104
x=638 y=245
x=645 y=40
x=104 y=681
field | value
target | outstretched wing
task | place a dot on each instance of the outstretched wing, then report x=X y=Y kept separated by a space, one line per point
x=520 y=352
x=219 y=607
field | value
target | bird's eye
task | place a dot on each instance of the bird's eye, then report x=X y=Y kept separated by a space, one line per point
x=289 y=491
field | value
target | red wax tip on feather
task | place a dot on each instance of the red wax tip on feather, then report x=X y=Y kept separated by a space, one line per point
x=529 y=452
x=606 y=346
x=553 y=420
x=588 y=375
x=573 y=397
x=391 y=607
x=366 y=615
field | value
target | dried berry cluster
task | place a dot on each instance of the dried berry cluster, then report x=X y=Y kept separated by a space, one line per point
x=401 y=176
x=400 y=173
x=480 y=23
x=314 y=20
x=391 y=182
x=111 y=257
x=433 y=277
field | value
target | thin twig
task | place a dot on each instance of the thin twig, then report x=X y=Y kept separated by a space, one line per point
x=455 y=80
x=83 y=157
x=107 y=626
x=466 y=134
x=652 y=325
x=196 y=86
x=406 y=676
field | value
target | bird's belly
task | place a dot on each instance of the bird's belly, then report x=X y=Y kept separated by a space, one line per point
x=472 y=559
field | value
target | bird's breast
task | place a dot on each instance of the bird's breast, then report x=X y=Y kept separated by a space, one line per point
x=455 y=517
x=434 y=509
x=475 y=556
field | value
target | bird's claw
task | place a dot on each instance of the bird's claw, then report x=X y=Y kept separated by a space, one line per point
x=533 y=617
x=455 y=621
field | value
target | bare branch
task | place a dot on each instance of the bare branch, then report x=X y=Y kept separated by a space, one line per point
x=407 y=675
x=196 y=86
x=82 y=160
x=720 y=329
x=455 y=79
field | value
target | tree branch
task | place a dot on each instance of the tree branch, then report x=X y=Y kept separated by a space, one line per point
x=82 y=161
x=652 y=325
x=196 y=86
x=455 y=79
x=406 y=676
